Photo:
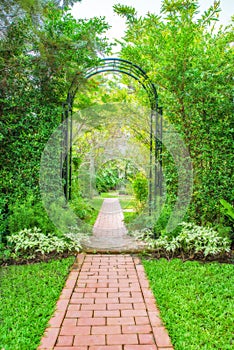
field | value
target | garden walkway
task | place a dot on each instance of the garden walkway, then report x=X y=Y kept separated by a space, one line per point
x=110 y=233
x=106 y=304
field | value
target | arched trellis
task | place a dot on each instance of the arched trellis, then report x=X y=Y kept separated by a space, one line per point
x=134 y=71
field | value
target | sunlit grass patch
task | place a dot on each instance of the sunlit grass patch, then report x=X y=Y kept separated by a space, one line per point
x=28 y=297
x=195 y=301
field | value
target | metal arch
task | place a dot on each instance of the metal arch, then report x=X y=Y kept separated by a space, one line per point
x=120 y=66
x=128 y=68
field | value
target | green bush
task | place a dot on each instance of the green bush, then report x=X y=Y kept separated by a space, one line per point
x=227 y=209
x=137 y=223
x=82 y=208
x=5 y=252
x=31 y=213
x=30 y=243
x=195 y=239
x=107 y=179
x=140 y=189
x=192 y=241
x=159 y=227
x=85 y=212
x=28 y=214
x=3 y=221
x=226 y=225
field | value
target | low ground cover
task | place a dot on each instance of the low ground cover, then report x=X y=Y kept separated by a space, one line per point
x=127 y=202
x=195 y=301
x=28 y=297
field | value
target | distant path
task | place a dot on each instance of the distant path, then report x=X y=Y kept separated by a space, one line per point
x=110 y=232
x=109 y=222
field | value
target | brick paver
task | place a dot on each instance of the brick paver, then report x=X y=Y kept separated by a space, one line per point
x=106 y=304
x=110 y=232
x=109 y=222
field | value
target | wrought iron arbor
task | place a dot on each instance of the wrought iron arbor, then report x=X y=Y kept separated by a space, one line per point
x=155 y=161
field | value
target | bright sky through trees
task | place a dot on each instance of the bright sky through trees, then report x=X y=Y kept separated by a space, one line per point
x=91 y=8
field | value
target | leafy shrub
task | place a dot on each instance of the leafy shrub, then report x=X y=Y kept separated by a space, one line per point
x=31 y=213
x=160 y=224
x=114 y=174
x=28 y=214
x=138 y=223
x=228 y=209
x=140 y=189
x=192 y=241
x=5 y=252
x=198 y=239
x=82 y=208
x=226 y=225
x=62 y=216
x=3 y=222
x=29 y=243
x=107 y=179
x=129 y=218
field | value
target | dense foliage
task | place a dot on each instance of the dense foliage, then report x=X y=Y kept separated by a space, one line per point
x=140 y=189
x=190 y=242
x=187 y=57
x=32 y=243
x=42 y=47
x=190 y=61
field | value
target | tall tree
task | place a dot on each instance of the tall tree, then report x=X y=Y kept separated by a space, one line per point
x=37 y=64
x=190 y=60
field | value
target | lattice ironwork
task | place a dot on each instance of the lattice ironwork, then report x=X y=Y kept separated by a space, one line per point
x=137 y=73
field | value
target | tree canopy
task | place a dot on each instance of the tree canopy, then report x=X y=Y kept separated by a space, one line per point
x=189 y=57
x=38 y=62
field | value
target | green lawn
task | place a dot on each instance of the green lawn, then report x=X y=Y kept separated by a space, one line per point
x=96 y=203
x=196 y=302
x=126 y=202
x=110 y=194
x=28 y=296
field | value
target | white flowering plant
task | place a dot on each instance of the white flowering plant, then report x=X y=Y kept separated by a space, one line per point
x=193 y=240
x=29 y=243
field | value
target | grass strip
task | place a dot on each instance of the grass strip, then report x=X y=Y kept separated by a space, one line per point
x=195 y=301
x=96 y=203
x=28 y=296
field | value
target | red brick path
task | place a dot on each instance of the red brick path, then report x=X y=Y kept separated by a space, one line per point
x=110 y=222
x=106 y=304
x=110 y=233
